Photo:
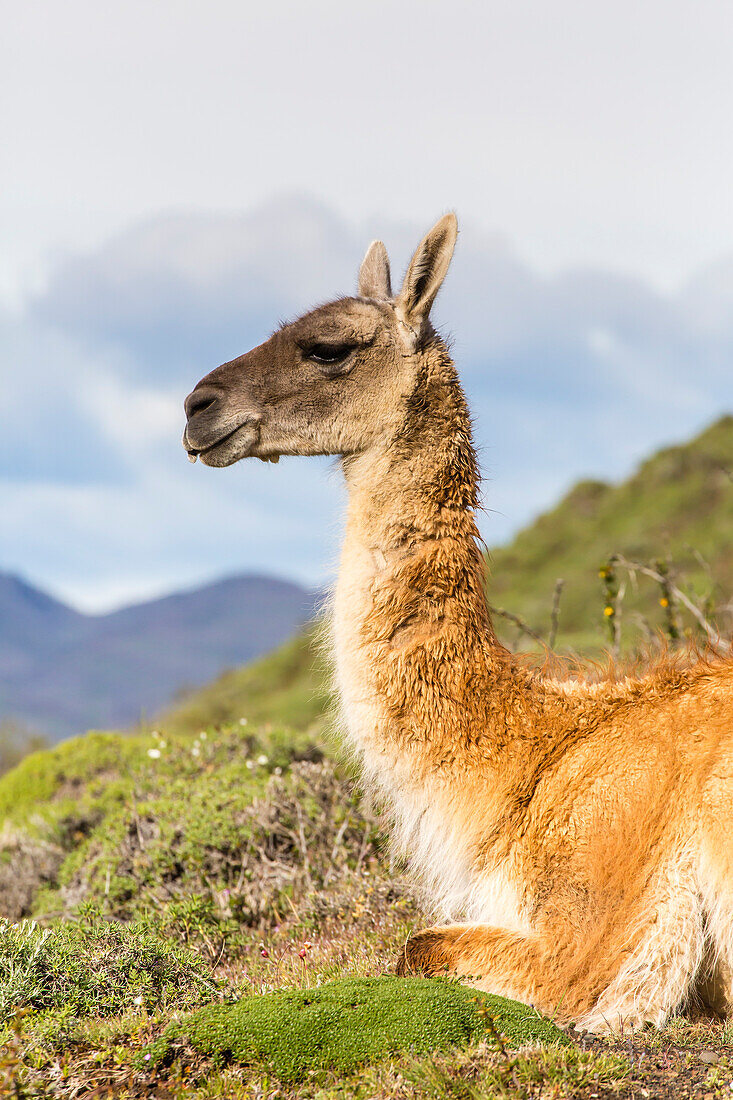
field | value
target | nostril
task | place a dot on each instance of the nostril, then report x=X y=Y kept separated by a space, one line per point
x=199 y=401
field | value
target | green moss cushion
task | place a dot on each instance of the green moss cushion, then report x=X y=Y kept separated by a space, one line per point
x=345 y=1023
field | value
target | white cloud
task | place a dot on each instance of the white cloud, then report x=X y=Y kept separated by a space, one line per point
x=573 y=375
x=588 y=133
x=179 y=294
x=136 y=420
x=97 y=544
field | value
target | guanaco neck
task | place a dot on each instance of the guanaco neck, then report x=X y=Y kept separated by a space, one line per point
x=421 y=675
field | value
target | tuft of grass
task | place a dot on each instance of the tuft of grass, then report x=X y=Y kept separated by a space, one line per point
x=344 y=1024
x=95 y=968
x=552 y=1070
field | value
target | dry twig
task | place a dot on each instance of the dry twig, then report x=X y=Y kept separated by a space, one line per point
x=512 y=618
x=715 y=639
x=555 y=616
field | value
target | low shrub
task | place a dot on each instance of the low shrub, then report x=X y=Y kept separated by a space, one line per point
x=202 y=836
x=27 y=864
x=95 y=968
x=225 y=850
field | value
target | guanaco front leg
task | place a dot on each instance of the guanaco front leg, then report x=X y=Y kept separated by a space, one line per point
x=493 y=959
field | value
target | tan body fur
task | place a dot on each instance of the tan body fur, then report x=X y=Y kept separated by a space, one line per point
x=581 y=832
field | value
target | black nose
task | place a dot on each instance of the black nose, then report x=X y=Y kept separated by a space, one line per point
x=199 y=400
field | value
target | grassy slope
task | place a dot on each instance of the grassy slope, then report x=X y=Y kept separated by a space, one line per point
x=289 y=686
x=678 y=503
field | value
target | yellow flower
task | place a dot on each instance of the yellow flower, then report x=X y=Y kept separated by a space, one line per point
x=608 y=612
x=664 y=602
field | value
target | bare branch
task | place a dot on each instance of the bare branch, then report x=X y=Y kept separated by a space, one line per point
x=616 y=621
x=555 y=616
x=510 y=617
x=714 y=637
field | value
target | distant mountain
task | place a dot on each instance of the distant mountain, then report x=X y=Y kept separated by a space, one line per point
x=31 y=623
x=62 y=672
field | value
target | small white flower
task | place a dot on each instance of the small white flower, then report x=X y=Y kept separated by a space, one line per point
x=195 y=750
x=154 y=754
x=243 y=721
x=138 y=1000
x=154 y=733
x=248 y=764
x=202 y=735
x=262 y=759
x=162 y=744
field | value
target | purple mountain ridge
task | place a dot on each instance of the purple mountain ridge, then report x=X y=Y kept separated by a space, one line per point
x=63 y=672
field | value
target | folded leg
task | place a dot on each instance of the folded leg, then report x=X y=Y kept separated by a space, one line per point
x=615 y=989
x=493 y=959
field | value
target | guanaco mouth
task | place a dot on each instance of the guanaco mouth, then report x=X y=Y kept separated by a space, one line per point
x=198 y=452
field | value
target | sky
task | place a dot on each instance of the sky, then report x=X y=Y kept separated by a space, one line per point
x=177 y=177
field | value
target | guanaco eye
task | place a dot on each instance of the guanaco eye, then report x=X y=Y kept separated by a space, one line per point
x=328 y=354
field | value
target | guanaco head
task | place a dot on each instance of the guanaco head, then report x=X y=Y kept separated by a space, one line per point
x=332 y=382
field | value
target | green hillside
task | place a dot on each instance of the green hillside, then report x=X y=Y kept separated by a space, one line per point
x=677 y=506
x=289 y=687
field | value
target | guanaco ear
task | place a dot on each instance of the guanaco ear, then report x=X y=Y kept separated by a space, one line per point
x=374 y=278
x=428 y=268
